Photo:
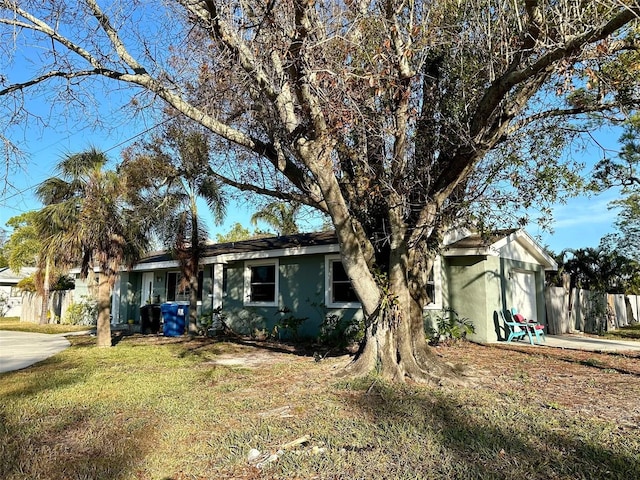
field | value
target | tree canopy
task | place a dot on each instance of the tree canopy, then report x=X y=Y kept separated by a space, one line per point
x=624 y=172
x=600 y=270
x=398 y=119
x=23 y=245
x=280 y=216
x=87 y=222
x=169 y=175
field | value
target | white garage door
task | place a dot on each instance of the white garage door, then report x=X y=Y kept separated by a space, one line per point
x=524 y=294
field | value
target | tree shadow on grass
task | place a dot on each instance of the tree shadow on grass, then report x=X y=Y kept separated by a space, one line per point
x=47 y=375
x=501 y=440
x=80 y=444
x=195 y=345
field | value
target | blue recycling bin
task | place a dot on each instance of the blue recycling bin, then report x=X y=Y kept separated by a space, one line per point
x=174 y=317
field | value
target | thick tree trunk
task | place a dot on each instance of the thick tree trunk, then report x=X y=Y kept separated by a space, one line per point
x=397 y=349
x=104 y=312
x=395 y=342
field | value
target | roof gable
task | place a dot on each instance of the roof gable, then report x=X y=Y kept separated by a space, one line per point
x=515 y=244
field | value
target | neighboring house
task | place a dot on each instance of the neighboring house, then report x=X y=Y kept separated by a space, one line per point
x=259 y=282
x=10 y=295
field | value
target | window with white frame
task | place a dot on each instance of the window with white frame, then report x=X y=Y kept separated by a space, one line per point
x=179 y=290
x=261 y=283
x=434 y=286
x=338 y=289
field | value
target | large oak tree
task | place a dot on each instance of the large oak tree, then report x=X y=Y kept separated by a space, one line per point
x=396 y=118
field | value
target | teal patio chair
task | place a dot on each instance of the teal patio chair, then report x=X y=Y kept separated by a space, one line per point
x=532 y=326
x=516 y=329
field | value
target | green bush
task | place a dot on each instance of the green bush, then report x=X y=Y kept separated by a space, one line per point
x=84 y=312
x=288 y=326
x=27 y=284
x=336 y=332
x=212 y=322
x=449 y=327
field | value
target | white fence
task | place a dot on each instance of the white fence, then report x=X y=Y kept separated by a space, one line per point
x=589 y=312
x=59 y=301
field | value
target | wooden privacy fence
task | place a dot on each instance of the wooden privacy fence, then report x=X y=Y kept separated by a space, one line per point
x=59 y=301
x=590 y=312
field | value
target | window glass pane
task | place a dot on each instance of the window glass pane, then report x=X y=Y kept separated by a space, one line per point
x=263 y=283
x=262 y=293
x=339 y=274
x=172 y=279
x=341 y=285
x=263 y=274
x=431 y=287
x=343 y=292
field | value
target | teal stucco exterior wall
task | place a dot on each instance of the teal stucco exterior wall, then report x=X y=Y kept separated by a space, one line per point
x=301 y=295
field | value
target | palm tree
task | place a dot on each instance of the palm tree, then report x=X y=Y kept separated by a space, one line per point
x=88 y=222
x=177 y=174
x=279 y=215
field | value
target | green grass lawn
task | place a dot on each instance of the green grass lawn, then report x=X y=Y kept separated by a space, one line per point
x=154 y=408
x=630 y=332
x=14 y=324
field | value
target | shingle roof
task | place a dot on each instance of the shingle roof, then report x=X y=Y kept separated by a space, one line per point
x=255 y=245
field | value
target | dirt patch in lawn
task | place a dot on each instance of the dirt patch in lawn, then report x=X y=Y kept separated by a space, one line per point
x=595 y=384
x=250 y=359
x=603 y=385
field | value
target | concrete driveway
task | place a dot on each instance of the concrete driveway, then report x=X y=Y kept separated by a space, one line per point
x=595 y=344
x=21 y=349
x=578 y=341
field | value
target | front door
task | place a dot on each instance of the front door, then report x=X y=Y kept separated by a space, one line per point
x=524 y=294
x=147 y=288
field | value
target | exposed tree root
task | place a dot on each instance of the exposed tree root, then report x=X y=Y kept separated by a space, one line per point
x=417 y=363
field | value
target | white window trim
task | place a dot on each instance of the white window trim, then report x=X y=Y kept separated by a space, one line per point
x=218 y=283
x=247 y=282
x=166 y=289
x=328 y=284
x=437 y=303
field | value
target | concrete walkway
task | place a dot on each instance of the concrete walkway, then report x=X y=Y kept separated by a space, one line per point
x=19 y=350
x=584 y=342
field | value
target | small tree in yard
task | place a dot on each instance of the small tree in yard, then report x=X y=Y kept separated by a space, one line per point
x=170 y=174
x=86 y=222
x=24 y=248
x=398 y=119
x=23 y=245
